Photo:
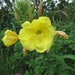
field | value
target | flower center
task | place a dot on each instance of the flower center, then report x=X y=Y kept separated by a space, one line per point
x=38 y=32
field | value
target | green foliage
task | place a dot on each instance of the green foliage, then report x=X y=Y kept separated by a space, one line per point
x=21 y=10
x=60 y=60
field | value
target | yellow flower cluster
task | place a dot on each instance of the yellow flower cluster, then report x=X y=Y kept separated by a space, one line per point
x=37 y=35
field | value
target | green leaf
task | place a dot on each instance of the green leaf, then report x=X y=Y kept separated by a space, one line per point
x=50 y=69
x=17 y=12
x=69 y=56
x=60 y=60
x=68 y=68
x=64 y=73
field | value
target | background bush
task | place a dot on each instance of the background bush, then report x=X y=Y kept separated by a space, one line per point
x=60 y=60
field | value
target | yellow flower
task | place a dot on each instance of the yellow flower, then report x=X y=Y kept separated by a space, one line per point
x=62 y=34
x=38 y=35
x=10 y=38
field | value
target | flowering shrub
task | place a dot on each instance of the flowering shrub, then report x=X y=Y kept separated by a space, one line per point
x=39 y=36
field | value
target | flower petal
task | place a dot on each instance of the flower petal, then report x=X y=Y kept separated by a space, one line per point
x=48 y=38
x=52 y=30
x=45 y=20
x=26 y=33
x=40 y=46
x=39 y=25
x=25 y=24
x=29 y=44
x=49 y=44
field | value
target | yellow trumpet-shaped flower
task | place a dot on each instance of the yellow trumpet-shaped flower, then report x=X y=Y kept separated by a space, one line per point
x=38 y=35
x=10 y=38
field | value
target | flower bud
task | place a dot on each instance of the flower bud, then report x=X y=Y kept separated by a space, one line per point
x=40 y=8
x=62 y=34
x=10 y=38
x=24 y=51
x=31 y=10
